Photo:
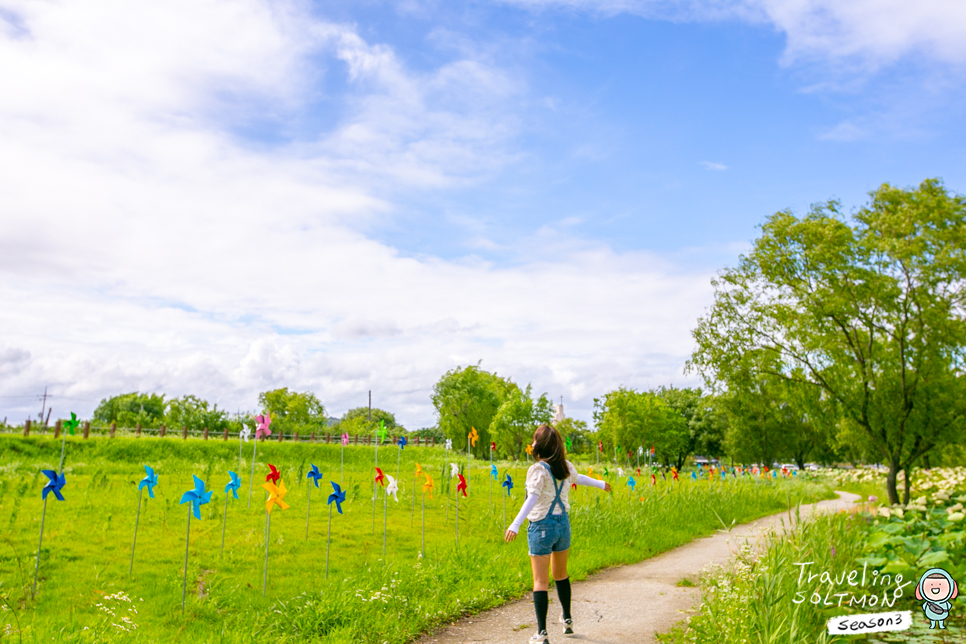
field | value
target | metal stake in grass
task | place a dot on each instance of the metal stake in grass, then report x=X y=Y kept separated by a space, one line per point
x=54 y=484
x=276 y=496
x=231 y=488
x=412 y=511
x=196 y=497
x=149 y=481
x=261 y=431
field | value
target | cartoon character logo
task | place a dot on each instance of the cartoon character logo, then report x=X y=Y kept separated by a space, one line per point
x=936 y=590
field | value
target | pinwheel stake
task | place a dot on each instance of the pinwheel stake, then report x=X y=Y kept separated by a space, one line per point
x=345 y=441
x=232 y=488
x=338 y=496
x=412 y=512
x=197 y=497
x=375 y=486
x=508 y=484
x=261 y=431
x=427 y=487
x=315 y=475
x=496 y=475
x=402 y=444
x=54 y=484
x=453 y=471
x=149 y=482
x=392 y=488
x=245 y=433
x=461 y=487
x=276 y=496
x=69 y=426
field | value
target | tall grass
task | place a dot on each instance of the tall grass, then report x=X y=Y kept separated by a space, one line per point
x=85 y=590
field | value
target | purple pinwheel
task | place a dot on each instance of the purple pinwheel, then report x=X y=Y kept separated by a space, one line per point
x=338 y=496
x=54 y=485
x=148 y=481
x=197 y=497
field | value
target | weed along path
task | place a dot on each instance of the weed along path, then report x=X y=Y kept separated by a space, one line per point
x=626 y=604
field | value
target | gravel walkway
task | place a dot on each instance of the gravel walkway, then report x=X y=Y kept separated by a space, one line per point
x=627 y=604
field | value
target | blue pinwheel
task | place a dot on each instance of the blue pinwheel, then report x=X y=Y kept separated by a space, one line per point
x=149 y=481
x=197 y=497
x=494 y=473
x=402 y=442
x=508 y=484
x=315 y=475
x=694 y=477
x=54 y=485
x=631 y=483
x=233 y=484
x=338 y=496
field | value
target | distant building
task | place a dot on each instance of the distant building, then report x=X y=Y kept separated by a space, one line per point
x=558 y=413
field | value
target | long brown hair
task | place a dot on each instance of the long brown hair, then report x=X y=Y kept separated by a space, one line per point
x=549 y=446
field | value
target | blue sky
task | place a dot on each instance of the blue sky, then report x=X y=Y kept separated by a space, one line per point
x=218 y=197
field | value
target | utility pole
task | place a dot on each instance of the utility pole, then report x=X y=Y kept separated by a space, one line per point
x=370 y=405
x=43 y=407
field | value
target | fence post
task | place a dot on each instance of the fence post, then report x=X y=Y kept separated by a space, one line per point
x=226 y=432
x=184 y=432
x=163 y=430
x=433 y=439
x=26 y=428
x=57 y=427
x=328 y=437
x=113 y=429
x=280 y=435
x=87 y=429
x=296 y=436
x=357 y=439
x=137 y=431
x=206 y=433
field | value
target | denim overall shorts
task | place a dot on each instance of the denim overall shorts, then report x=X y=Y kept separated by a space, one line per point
x=552 y=533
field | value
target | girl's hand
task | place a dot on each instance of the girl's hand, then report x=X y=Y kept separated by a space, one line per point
x=509 y=536
x=606 y=486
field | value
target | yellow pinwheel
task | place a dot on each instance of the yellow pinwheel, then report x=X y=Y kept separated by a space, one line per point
x=474 y=436
x=419 y=471
x=276 y=496
x=428 y=485
x=590 y=471
x=530 y=450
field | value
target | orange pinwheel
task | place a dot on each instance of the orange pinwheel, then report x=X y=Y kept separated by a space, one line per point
x=274 y=475
x=428 y=485
x=530 y=449
x=276 y=496
x=419 y=471
x=473 y=436
x=461 y=487
x=380 y=477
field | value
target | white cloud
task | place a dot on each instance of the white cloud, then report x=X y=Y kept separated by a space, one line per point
x=869 y=32
x=718 y=167
x=145 y=247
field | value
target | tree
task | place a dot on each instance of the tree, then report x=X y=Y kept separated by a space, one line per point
x=704 y=419
x=516 y=419
x=467 y=398
x=627 y=420
x=581 y=438
x=357 y=421
x=292 y=411
x=127 y=410
x=195 y=414
x=868 y=312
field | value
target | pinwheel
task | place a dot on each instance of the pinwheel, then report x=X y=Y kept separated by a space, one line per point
x=620 y=472
x=380 y=477
x=197 y=497
x=590 y=471
x=508 y=484
x=454 y=470
x=473 y=436
x=653 y=480
x=261 y=431
x=493 y=472
x=69 y=426
x=606 y=471
x=337 y=496
x=461 y=486
x=345 y=438
x=694 y=476
x=276 y=497
x=273 y=475
x=231 y=489
x=412 y=510
x=392 y=488
x=402 y=442
x=529 y=451
x=315 y=475
x=674 y=473
x=449 y=443
x=638 y=471
x=569 y=443
x=427 y=487
x=492 y=446
x=345 y=441
x=245 y=433
x=402 y=445
x=54 y=484
x=149 y=481
x=632 y=483
x=382 y=431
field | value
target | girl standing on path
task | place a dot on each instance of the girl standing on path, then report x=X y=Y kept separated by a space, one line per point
x=547 y=504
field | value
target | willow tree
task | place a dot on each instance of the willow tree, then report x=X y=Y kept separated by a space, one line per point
x=868 y=310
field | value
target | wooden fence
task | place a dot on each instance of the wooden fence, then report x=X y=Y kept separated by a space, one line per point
x=86 y=430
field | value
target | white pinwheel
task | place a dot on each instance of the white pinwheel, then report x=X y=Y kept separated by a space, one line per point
x=245 y=433
x=392 y=488
x=640 y=451
x=454 y=469
x=449 y=443
x=620 y=471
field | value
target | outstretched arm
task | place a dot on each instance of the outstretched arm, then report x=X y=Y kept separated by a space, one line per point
x=524 y=511
x=586 y=480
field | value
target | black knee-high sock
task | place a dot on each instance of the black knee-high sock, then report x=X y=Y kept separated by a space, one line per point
x=540 y=602
x=563 y=594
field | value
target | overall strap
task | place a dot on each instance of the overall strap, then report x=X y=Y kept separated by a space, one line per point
x=557 y=489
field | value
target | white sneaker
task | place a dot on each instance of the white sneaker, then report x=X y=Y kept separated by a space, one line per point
x=568 y=625
x=540 y=638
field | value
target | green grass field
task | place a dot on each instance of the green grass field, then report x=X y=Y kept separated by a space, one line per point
x=85 y=593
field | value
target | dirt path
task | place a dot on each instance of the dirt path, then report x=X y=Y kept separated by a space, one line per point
x=625 y=604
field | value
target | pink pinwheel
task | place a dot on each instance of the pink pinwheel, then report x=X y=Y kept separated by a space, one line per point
x=345 y=439
x=262 y=430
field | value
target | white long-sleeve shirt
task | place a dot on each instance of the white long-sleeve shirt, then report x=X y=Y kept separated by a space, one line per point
x=541 y=492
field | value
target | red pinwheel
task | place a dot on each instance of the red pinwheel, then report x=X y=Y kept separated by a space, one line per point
x=674 y=473
x=573 y=486
x=638 y=471
x=653 y=479
x=380 y=477
x=461 y=487
x=600 y=446
x=492 y=446
x=274 y=475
